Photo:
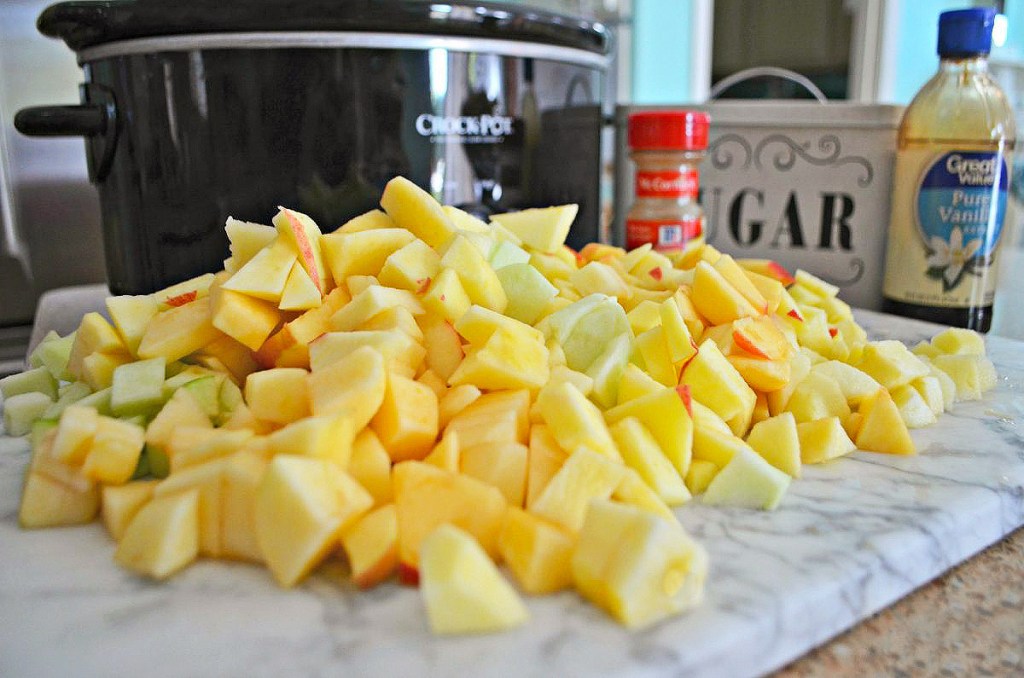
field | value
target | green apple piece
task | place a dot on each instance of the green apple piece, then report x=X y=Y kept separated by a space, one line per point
x=38 y=380
x=158 y=461
x=34 y=360
x=138 y=387
x=593 y=332
x=142 y=467
x=68 y=394
x=528 y=291
x=606 y=370
x=183 y=376
x=206 y=391
x=560 y=324
x=22 y=410
x=53 y=355
x=506 y=254
x=39 y=429
x=229 y=397
x=99 y=401
x=747 y=481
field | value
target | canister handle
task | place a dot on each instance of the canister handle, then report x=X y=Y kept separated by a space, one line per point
x=96 y=120
x=767 y=72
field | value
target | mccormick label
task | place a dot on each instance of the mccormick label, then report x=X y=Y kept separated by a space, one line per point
x=665 y=235
x=669 y=184
x=945 y=231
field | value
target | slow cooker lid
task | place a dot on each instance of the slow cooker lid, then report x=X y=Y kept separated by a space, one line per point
x=83 y=24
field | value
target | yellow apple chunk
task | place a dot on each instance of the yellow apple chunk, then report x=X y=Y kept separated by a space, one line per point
x=542 y=228
x=353 y=386
x=882 y=428
x=406 y=422
x=462 y=588
x=641 y=452
x=414 y=209
x=278 y=395
x=114 y=451
x=504 y=466
x=303 y=505
x=822 y=440
x=586 y=475
x=364 y=252
x=636 y=566
x=538 y=553
x=776 y=439
x=371 y=545
x=370 y=465
x=176 y=332
x=574 y=420
x=426 y=497
x=163 y=537
x=265 y=275
x=122 y=502
x=243 y=473
x=246 y=319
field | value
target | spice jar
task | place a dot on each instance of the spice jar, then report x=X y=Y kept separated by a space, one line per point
x=667 y=147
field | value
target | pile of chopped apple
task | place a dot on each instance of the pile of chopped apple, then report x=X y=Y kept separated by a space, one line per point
x=432 y=396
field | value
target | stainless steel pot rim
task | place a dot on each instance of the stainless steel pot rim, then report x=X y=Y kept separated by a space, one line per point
x=342 y=39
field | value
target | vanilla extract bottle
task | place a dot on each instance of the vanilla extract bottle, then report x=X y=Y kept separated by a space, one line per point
x=950 y=185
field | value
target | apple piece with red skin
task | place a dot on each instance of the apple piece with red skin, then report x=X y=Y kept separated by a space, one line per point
x=769 y=268
x=761 y=338
x=304 y=234
x=182 y=299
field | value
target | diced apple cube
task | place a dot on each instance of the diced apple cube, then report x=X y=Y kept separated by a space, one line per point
x=278 y=395
x=414 y=209
x=747 y=481
x=371 y=545
x=538 y=553
x=913 y=408
x=638 y=567
x=122 y=502
x=38 y=380
x=163 y=537
x=303 y=505
x=544 y=229
x=586 y=475
x=823 y=439
x=462 y=588
x=21 y=410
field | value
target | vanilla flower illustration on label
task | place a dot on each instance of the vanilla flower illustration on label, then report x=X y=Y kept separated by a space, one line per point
x=960 y=195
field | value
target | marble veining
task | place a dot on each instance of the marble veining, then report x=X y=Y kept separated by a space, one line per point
x=851 y=537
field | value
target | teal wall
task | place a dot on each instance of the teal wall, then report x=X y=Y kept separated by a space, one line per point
x=661 y=49
x=917 y=32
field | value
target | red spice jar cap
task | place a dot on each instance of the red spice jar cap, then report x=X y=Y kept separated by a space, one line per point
x=668 y=131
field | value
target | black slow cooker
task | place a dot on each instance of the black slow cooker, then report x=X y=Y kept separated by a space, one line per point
x=194 y=111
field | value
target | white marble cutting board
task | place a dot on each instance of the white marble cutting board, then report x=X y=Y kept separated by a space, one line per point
x=849 y=538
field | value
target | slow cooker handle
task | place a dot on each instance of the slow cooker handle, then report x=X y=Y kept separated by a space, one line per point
x=62 y=121
x=96 y=120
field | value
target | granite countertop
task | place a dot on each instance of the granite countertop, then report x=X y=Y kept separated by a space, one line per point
x=969 y=621
x=850 y=538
